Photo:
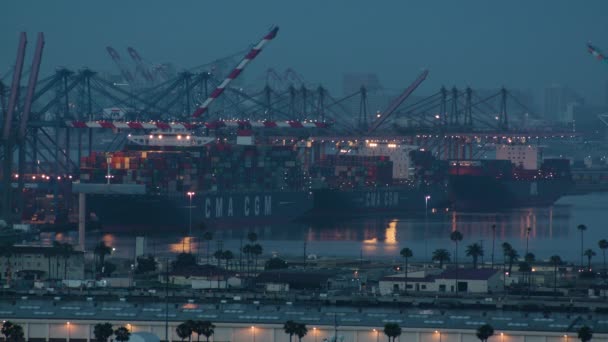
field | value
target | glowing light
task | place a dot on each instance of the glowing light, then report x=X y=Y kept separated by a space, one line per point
x=188 y=137
x=391 y=233
x=179 y=137
x=160 y=136
x=151 y=136
x=373 y=144
x=392 y=145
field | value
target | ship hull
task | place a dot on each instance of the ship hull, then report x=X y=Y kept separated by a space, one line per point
x=391 y=200
x=142 y=213
x=484 y=193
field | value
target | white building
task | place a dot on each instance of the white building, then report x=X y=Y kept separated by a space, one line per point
x=520 y=155
x=469 y=280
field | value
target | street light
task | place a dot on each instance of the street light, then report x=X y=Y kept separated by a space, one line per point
x=68 y=326
x=314 y=332
x=253 y=332
x=377 y=332
x=439 y=333
x=190 y=194
x=426 y=204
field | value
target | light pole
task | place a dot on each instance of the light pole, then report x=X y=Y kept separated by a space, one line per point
x=190 y=194
x=439 y=333
x=493 y=242
x=68 y=326
x=253 y=332
x=377 y=332
x=528 y=230
x=314 y=332
x=426 y=227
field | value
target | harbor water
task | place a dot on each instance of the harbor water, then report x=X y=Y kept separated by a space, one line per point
x=554 y=232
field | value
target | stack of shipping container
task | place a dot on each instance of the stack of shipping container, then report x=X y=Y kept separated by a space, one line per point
x=214 y=167
x=354 y=170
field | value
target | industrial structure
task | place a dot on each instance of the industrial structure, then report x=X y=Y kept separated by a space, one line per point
x=65 y=116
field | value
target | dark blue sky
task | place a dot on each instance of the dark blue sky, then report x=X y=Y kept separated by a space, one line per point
x=482 y=43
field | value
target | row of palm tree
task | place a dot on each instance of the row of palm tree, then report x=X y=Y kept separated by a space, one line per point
x=186 y=329
x=103 y=331
x=292 y=328
x=12 y=332
x=252 y=251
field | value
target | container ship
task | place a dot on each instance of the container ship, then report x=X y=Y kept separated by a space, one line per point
x=483 y=185
x=378 y=182
x=193 y=181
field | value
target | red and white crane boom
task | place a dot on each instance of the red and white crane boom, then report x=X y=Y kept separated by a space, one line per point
x=236 y=71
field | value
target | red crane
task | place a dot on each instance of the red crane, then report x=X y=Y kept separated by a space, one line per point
x=597 y=53
x=397 y=102
x=237 y=71
x=128 y=76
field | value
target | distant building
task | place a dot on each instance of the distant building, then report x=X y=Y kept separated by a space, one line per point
x=483 y=280
x=557 y=99
x=41 y=263
x=586 y=119
x=525 y=156
x=399 y=154
x=203 y=277
x=285 y=280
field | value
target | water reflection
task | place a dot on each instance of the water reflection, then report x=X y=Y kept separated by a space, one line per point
x=551 y=232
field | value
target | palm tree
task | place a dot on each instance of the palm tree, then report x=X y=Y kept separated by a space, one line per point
x=122 y=334
x=252 y=237
x=603 y=245
x=512 y=255
x=218 y=255
x=301 y=331
x=290 y=328
x=493 y=242
x=585 y=333
x=506 y=247
x=256 y=251
x=184 y=330
x=204 y=328
x=392 y=330
x=582 y=229
x=100 y=251
x=406 y=253
x=247 y=251
x=6 y=250
x=102 y=332
x=589 y=253
x=12 y=332
x=441 y=255
x=456 y=237
x=208 y=236
x=227 y=256
x=475 y=251
x=555 y=261
x=66 y=250
x=484 y=332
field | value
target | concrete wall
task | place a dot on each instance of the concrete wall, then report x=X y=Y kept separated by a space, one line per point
x=83 y=331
